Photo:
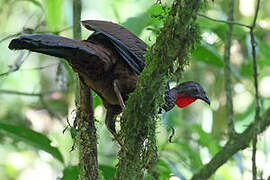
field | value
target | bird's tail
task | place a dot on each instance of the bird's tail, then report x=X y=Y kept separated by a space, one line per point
x=52 y=45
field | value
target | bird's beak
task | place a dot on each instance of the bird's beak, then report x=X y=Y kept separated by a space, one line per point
x=204 y=98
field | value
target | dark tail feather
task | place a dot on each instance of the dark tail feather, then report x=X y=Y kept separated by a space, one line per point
x=52 y=45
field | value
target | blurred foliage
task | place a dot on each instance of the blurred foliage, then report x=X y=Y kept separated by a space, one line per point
x=31 y=126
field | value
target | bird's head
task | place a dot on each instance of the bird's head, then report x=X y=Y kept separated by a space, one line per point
x=184 y=94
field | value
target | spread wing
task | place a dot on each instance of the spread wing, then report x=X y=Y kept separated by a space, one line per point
x=129 y=46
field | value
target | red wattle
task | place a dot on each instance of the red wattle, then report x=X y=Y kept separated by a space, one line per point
x=183 y=101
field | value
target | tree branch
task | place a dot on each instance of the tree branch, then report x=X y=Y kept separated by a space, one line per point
x=16 y=66
x=227 y=71
x=87 y=135
x=235 y=144
x=85 y=121
x=224 y=21
x=170 y=52
x=255 y=76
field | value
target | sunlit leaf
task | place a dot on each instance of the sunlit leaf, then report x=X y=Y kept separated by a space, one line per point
x=208 y=54
x=70 y=173
x=32 y=138
x=138 y=23
x=54 y=14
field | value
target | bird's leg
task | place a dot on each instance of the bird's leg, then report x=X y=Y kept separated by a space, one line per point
x=118 y=94
x=112 y=111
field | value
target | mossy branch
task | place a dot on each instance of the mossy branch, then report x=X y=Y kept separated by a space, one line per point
x=87 y=138
x=166 y=58
x=235 y=144
x=85 y=121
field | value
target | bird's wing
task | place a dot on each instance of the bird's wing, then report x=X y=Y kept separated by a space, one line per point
x=129 y=46
x=52 y=45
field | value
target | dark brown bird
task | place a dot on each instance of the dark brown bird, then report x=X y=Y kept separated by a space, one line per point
x=109 y=62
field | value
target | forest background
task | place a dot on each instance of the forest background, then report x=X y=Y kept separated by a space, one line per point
x=37 y=91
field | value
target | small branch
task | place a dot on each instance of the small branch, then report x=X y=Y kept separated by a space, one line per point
x=235 y=144
x=16 y=66
x=255 y=76
x=31 y=31
x=39 y=95
x=11 y=92
x=255 y=71
x=87 y=138
x=19 y=93
x=224 y=21
x=254 y=151
x=227 y=71
x=39 y=68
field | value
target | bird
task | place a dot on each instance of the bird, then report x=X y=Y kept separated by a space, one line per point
x=109 y=62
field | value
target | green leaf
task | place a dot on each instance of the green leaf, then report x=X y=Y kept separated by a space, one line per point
x=54 y=14
x=32 y=138
x=206 y=139
x=246 y=69
x=164 y=169
x=70 y=173
x=137 y=24
x=194 y=156
x=108 y=172
x=263 y=50
x=175 y=171
x=208 y=54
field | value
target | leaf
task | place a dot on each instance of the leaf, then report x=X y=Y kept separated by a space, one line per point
x=208 y=54
x=206 y=139
x=187 y=154
x=32 y=138
x=107 y=171
x=54 y=14
x=164 y=169
x=264 y=62
x=137 y=24
x=175 y=170
x=70 y=173
x=246 y=69
x=194 y=156
x=263 y=50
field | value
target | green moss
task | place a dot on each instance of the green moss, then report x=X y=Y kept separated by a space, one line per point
x=165 y=61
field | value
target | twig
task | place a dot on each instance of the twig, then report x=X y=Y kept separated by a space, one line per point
x=39 y=68
x=224 y=21
x=255 y=76
x=39 y=95
x=15 y=67
x=20 y=93
x=11 y=92
x=227 y=71
x=31 y=31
